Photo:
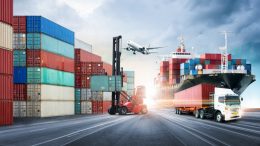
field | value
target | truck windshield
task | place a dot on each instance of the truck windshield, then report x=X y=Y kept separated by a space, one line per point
x=232 y=100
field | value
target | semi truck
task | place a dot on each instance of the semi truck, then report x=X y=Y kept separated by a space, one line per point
x=208 y=101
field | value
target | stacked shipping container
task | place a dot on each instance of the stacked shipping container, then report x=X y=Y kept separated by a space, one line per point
x=20 y=70
x=6 y=62
x=164 y=73
x=44 y=68
x=130 y=82
x=86 y=65
x=174 y=70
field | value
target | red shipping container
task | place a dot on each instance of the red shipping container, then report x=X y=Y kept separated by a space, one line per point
x=108 y=68
x=20 y=92
x=164 y=63
x=212 y=66
x=94 y=107
x=82 y=81
x=174 y=72
x=6 y=61
x=174 y=66
x=213 y=56
x=85 y=56
x=176 y=61
x=6 y=87
x=6 y=112
x=6 y=11
x=19 y=24
x=196 y=96
x=40 y=58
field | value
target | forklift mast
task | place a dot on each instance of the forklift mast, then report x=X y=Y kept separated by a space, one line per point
x=116 y=70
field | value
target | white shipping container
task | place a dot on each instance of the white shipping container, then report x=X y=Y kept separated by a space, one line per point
x=86 y=107
x=107 y=96
x=19 y=109
x=85 y=94
x=50 y=92
x=6 y=36
x=33 y=109
x=97 y=96
x=49 y=108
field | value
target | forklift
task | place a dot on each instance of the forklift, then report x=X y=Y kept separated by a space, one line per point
x=135 y=103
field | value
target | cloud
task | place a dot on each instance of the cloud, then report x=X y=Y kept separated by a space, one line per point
x=158 y=23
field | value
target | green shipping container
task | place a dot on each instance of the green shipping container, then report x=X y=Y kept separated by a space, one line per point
x=36 y=75
x=19 y=57
x=106 y=83
x=130 y=73
x=77 y=107
x=47 y=43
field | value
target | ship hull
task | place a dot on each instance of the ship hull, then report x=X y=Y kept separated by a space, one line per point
x=236 y=82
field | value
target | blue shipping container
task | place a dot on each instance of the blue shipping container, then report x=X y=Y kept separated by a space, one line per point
x=20 y=75
x=38 y=24
x=184 y=65
x=193 y=72
x=185 y=71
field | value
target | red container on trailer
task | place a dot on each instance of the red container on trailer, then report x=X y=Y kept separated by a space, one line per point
x=194 y=97
x=6 y=87
x=6 y=112
x=20 y=92
x=6 y=61
x=6 y=11
x=19 y=24
x=40 y=58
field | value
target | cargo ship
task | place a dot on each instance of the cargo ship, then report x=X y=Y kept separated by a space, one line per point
x=182 y=70
x=208 y=86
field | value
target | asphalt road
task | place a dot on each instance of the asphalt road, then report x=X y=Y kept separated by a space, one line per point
x=158 y=128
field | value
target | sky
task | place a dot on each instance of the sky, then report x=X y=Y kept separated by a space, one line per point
x=159 y=23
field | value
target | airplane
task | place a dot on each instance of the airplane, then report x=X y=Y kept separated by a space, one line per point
x=132 y=46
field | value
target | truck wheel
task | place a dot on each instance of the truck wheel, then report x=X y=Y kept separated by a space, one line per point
x=180 y=112
x=197 y=115
x=219 y=117
x=123 y=111
x=202 y=116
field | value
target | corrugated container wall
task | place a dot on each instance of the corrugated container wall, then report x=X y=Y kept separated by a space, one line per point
x=6 y=11
x=38 y=24
x=40 y=58
x=196 y=96
x=6 y=62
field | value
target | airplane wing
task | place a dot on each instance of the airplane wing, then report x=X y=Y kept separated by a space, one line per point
x=152 y=48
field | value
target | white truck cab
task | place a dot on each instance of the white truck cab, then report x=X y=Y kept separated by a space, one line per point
x=227 y=105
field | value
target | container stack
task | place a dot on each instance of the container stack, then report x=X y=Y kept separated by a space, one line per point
x=20 y=70
x=6 y=62
x=164 y=73
x=130 y=82
x=47 y=75
x=174 y=70
x=86 y=65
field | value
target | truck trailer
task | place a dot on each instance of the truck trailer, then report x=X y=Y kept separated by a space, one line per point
x=208 y=101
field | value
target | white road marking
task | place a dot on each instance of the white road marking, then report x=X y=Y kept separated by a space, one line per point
x=78 y=131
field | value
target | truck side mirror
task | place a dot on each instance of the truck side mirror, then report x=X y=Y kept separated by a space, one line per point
x=241 y=99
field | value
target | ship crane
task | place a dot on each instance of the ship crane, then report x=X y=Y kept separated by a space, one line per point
x=224 y=54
